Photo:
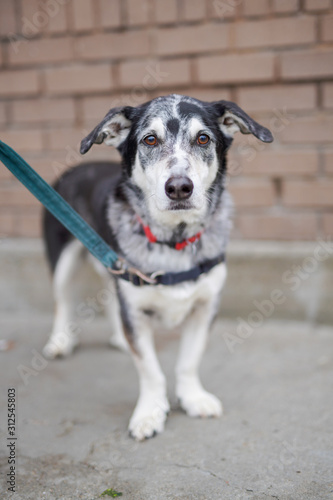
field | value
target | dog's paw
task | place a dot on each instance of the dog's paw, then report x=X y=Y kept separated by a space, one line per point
x=59 y=346
x=148 y=419
x=201 y=404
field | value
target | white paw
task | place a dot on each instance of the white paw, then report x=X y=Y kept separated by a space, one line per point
x=60 y=345
x=201 y=404
x=148 y=419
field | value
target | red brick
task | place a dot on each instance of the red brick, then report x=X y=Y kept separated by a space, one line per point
x=66 y=138
x=285 y=6
x=176 y=72
x=278 y=122
x=328 y=95
x=236 y=68
x=7 y=224
x=83 y=14
x=65 y=147
x=328 y=224
x=194 y=10
x=222 y=9
x=256 y=8
x=78 y=79
x=301 y=193
x=192 y=39
x=43 y=110
x=32 y=19
x=310 y=64
x=110 y=13
x=3 y=118
x=14 y=83
x=39 y=16
x=328 y=161
x=275 y=32
x=278 y=227
x=291 y=97
x=50 y=50
x=29 y=224
x=113 y=45
x=138 y=12
x=18 y=197
x=94 y=108
x=23 y=140
x=327 y=28
x=5 y=174
x=50 y=164
x=308 y=130
x=57 y=19
x=317 y=4
x=166 y=12
x=280 y=163
x=252 y=193
x=7 y=18
x=165 y=92
x=210 y=94
x=249 y=146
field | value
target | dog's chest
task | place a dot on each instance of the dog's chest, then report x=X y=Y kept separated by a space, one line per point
x=170 y=305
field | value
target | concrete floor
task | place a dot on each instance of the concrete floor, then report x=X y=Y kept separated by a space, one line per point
x=275 y=439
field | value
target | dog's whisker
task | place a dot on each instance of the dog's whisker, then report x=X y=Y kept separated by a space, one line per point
x=153 y=194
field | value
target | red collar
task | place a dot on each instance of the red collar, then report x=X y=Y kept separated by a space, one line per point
x=178 y=246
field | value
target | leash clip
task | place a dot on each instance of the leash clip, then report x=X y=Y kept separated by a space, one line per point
x=124 y=268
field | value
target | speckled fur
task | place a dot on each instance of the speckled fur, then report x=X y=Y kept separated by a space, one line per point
x=139 y=190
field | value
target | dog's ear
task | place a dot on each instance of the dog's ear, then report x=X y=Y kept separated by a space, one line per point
x=232 y=119
x=113 y=129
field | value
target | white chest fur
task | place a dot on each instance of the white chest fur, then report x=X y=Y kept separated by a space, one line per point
x=171 y=304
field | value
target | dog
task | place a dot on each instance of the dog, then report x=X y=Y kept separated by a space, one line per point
x=167 y=212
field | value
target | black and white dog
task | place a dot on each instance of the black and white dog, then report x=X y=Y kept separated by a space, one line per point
x=166 y=212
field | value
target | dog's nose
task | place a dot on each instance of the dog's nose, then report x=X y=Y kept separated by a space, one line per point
x=179 y=188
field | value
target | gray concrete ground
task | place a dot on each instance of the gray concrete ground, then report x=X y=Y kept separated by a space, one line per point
x=274 y=441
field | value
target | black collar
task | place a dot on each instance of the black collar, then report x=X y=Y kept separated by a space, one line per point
x=175 y=278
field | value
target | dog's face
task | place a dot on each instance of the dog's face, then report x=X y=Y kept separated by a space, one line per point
x=173 y=151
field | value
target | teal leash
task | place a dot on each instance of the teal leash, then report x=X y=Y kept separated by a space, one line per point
x=65 y=213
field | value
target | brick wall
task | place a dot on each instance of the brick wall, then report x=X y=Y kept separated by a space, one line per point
x=64 y=63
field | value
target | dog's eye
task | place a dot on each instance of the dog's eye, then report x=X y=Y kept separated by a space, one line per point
x=150 y=140
x=203 y=139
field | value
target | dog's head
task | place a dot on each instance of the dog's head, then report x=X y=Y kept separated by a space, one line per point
x=173 y=150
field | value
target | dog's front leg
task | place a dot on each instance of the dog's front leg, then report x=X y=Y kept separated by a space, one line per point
x=194 y=399
x=152 y=406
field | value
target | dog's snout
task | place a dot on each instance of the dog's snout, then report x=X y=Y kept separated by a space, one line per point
x=179 y=188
